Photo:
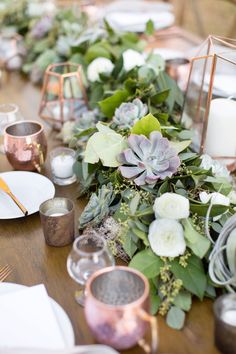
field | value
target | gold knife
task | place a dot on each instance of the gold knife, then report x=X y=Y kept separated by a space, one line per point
x=7 y=190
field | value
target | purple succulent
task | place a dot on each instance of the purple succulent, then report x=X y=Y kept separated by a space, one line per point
x=127 y=114
x=148 y=160
x=42 y=27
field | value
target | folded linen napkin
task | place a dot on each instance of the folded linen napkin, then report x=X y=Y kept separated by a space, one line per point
x=27 y=320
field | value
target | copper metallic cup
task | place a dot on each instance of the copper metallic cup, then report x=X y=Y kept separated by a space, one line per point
x=25 y=145
x=117 y=308
x=57 y=218
x=178 y=69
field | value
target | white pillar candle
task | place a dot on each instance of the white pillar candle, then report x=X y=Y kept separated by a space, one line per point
x=221 y=130
x=62 y=166
x=229 y=317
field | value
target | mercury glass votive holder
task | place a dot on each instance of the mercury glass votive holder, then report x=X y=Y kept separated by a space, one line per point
x=62 y=162
x=225 y=323
x=58 y=221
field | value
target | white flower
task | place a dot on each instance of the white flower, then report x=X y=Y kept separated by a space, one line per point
x=166 y=238
x=218 y=169
x=232 y=197
x=105 y=145
x=99 y=66
x=132 y=58
x=171 y=206
x=215 y=198
x=66 y=132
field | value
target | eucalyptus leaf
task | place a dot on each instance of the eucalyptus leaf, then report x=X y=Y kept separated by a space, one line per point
x=147 y=263
x=134 y=203
x=183 y=300
x=193 y=275
x=198 y=243
x=160 y=97
x=175 y=318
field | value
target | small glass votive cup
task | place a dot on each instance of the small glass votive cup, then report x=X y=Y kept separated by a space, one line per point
x=225 y=323
x=62 y=161
x=58 y=221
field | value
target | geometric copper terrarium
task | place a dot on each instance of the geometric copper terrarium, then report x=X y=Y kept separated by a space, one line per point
x=210 y=102
x=63 y=94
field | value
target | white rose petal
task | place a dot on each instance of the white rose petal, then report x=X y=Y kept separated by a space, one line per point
x=166 y=238
x=66 y=132
x=99 y=66
x=215 y=198
x=132 y=58
x=171 y=206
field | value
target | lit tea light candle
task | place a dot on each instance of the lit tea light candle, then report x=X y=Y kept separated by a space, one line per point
x=62 y=163
x=221 y=130
x=62 y=166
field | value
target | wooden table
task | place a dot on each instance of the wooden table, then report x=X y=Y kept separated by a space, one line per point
x=22 y=246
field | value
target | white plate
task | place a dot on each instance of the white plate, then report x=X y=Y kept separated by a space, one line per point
x=136 y=21
x=30 y=188
x=61 y=316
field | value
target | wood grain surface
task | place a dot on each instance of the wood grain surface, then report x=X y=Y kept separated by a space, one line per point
x=23 y=247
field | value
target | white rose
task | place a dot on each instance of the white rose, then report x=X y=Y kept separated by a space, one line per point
x=171 y=206
x=166 y=238
x=215 y=198
x=132 y=58
x=218 y=169
x=99 y=66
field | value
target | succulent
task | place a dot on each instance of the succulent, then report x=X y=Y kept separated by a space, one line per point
x=87 y=120
x=98 y=207
x=41 y=27
x=148 y=160
x=129 y=113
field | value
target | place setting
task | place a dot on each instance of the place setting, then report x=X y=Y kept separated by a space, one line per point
x=117 y=229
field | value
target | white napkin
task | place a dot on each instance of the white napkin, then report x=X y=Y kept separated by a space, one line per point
x=27 y=320
x=136 y=21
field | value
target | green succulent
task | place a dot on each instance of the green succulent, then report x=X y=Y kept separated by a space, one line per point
x=98 y=207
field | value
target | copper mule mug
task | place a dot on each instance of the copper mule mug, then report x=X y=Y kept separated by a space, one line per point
x=25 y=145
x=117 y=308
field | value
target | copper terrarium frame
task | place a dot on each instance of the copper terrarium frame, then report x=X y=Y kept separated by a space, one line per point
x=198 y=101
x=57 y=91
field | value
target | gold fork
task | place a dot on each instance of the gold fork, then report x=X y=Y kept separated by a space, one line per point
x=7 y=190
x=4 y=272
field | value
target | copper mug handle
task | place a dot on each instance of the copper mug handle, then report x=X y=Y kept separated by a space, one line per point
x=38 y=148
x=153 y=324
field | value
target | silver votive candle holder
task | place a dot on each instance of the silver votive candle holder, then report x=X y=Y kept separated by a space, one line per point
x=62 y=162
x=58 y=221
x=225 y=323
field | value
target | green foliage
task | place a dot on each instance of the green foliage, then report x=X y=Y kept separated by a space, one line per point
x=175 y=318
x=147 y=263
x=193 y=275
x=109 y=104
x=146 y=125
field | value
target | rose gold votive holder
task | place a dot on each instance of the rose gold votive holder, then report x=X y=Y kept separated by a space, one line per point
x=57 y=218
